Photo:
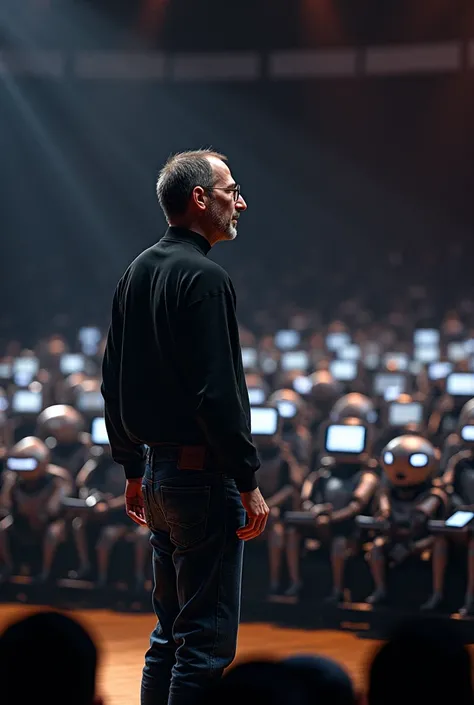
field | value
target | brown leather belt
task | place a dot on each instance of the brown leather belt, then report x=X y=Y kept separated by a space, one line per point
x=186 y=457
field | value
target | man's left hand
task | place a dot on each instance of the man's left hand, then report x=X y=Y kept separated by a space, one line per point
x=134 y=503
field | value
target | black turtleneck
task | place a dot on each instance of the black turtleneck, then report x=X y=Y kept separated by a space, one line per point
x=172 y=370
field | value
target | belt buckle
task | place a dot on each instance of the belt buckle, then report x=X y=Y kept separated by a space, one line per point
x=192 y=458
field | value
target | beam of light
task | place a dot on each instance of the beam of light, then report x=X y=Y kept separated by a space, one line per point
x=100 y=134
x=53 y=156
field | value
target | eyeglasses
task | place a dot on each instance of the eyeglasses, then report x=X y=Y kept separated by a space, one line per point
x=234 y=189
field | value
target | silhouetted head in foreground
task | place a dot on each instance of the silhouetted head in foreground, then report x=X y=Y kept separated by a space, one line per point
x=47 y=656
x=326 y=681
x=423 y=662
x=258 y=682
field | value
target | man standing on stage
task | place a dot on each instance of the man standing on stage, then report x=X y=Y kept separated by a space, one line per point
x=178 y=420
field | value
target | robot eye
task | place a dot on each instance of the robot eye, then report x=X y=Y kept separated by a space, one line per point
x=286 y=409
x=302 y=385
x=419 y=460
x=256 y=396
x=467 y=433
x=388 y=458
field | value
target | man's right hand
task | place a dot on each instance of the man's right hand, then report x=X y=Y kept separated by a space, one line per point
x=257 y=513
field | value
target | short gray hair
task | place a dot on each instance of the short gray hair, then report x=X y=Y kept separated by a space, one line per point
x=180 y=176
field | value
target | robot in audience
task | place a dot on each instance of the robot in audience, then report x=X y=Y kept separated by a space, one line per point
x=4 y=436
x=31 y=505
x=356 y=406
x=68 y=387
x=453 y=443
x=458 y=481
x=281 y=476
x=444 y=421
x=258 y=389
x=399 y=417
x=101 y=485
x=343 y=486
x=408 y=498
x=295 y=450
x=324 y=393
x=294 y=432
x=61 y=427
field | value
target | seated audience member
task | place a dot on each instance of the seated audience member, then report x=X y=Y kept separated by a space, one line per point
x=326 y=681
x=423 y=662
x=48 y=657
x=61 y=427
x=30 y=502
x=259 y=682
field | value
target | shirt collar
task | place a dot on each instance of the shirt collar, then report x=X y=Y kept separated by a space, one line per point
x=177 y=234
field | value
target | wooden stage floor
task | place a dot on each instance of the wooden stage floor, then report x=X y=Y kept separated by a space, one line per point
x=124 y=638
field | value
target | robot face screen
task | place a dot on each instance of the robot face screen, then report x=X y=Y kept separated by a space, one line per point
x=467 y=434
x=345 y=439
x=426 y=336
x=439 y=370
x=264 y=421
x=6 y=370
x=399 y=360
x=343 y=370
x=71 y=363
x=371 y=361
x=27 y=402
x=24 y=370
x=22 y=464
x=90 y=401
x=460 y=384
x=249 y=358
x=256 y=396
x=403 y=414
x=99 y=432
x=294 y=360
x=287 y=339
x=384 y=381
x=287 y=409
x=335 y=341
x=350 y=352
x=302 y=385
x=427 y=354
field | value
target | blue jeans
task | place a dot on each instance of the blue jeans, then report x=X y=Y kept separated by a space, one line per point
x=193 y=516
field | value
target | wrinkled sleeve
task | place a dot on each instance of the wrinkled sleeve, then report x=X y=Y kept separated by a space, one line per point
x=126 y=453
x=209 y=367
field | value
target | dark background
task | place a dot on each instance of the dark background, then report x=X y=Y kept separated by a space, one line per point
x=332 y=170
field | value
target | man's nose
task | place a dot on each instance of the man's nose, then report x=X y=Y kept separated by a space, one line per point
x=240 y=204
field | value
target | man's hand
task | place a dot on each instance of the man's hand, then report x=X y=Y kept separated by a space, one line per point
x=257 y=513
x=134 y=503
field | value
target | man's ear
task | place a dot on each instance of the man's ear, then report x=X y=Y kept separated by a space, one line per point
x=198 y=197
